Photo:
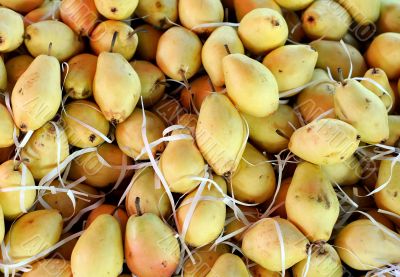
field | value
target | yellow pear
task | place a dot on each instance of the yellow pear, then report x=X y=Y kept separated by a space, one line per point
x=259 y=271
x=79 y=80
x=179 y=53
x=11 y=176
x=207 y=221
x=151 y=78
x=114 y=73
x=261 y=243
x=294 y=5
x=40 y=154
x=158 y=13
x=250 y=85
x=15 y=68
x=53 y=38
x=7 y=128
x=99 y=250
x=271 y=133
x=148 y=40
x=254 y=179
x=345 y=173
x=363 y=109
x=220 y=134
x=21 y=6
x=389 y=16
x=311 y=202
x=377 y=56
x=119 y=213
x=394 y=131
x=380 y=77
x=325 y=141
x=215 y=49
x=364 y=12
x=129 y=134
x=262 y=30
x=101 y=39
x=49 y=10
x=2 y=227
x=364 y=245
x=11 y=29
x=49 y=268
x=380 y=217
x=291 y=65
x=78 y=113
x=3 y=75
x=36 y=96
x=80 y=15
x=243 y=7
x=228 y=265
x=116 y=9
x=252 y=215
x=193 y=13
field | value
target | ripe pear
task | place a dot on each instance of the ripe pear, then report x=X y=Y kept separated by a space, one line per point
x=2 y=227
x=281 y=198
x=3 y=75
x=262 y=30
x=15 y=67
x=7 y=128
x=363 y=245
x=153 y=199
x=21 y=6
x=99 y=250
x=291 y=65
x=116 y=9
x=101 y=39
x=179 y=53
x=324 y=262
x=332 y=54
x=119 y=213
x=114 y=73
x=381 y=218
x=11 y=29
x=129 y=134
x=326 y=19
x=363 y=109
x=228 y=265
x=325 y=141
x=389 y=16
x=311 y=202
x=80 y=15
x=250 y=85
x=394 y=131
x=220 y=134
x=79 y=80
x=243 y=7
x=49 y=10
x=271 y=133
x=294 y=5
x=36 y=96
x=364 y=12
x=148 y=40
x=11 y=176
x=40 y=154
x=151 y=248
x=346 y=173
x=33 y=233
x=261 y=243
x=252 y=215
x=151 y=78
x=50 y=267
x=380 y=77
x=254 y=179
x=158 y=13
x=64 y=43
x=259 y=271
x=377 y=54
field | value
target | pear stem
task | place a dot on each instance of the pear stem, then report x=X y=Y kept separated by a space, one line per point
x=185 y=80
x=227 y=49
x=340 y=72
x=49 y=49
x=282 y=134
x=137 y=204
x=114 y=39
x=17 y=164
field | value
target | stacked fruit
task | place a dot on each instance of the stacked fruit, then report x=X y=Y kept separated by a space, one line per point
x=199 y=138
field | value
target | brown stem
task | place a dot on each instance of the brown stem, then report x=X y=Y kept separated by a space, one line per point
x=49 y=49
x=114 y=39
x=340 y=72
x=282 y=134
x=137 y=205
x=185 y=80
x=227 y=49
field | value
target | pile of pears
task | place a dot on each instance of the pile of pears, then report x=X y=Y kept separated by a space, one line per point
x=199 y=138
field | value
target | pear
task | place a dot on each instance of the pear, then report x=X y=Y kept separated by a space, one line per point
x=114 y=74
x=64 y=42
x=15 y=67
x=325 y=141
x=281 y=197
x=97 y=174
x=11 y=29
x=50 y=267
x=193 y=13
x=49 y=10
x=394 y=131
x=3 y=75
x=380 y=77
x=243 y=7
x=261 y=243
x=119 y=214
x=381 y=218
x=21 y=5
x=151 y=78
x=129 y=134
x=351 y=40
x=66 y=249
x=148 y=40
x=346 y=173
x=291 y=65
x=294 y=5
x=168 y=109
x=153 y=198
x=364 y=245
x=364 y=12
x=271 y=133
x=80 y=16
x=311 y=202
x=363 y=109
x=326 y=19
x=331 y=54
x=7 y=128
x=99 y=250
x=36 y=96
x=254 y=179
x=259 y=271
x=116 y=9
x=151 y=248
x=389 y=16
x=189 y=121
x=79 y=80
x=158 y=12
x=324 y=261
x=101 y=39
x=78 y=113
x=252 y=215
x=228 y=265
x=40 y=154
x=33 y=233
x=2 y=224
x=377 y=56
x=250 y=85
x=179 y=53
x=260 y=35
x=220 y=134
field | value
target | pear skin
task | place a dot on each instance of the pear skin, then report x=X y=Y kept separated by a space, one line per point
x=3 y=75
x=252 y=215
x=380 y=77
x=148 y=40
x=294 y=5
x=243 y=7
x=15 y=68
x=11 y=29
x=119 y=214
x=394 y=131
x=7 y=127
x=21 y=6
x=228 y=265
x=116 y=9
x=49 y=10
x=364 y=12
x=259 y=271
x=80 y=16
x=158 y=12
x=50 y=267
x=389 y=20
x=346 y=173
x=2 y=227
